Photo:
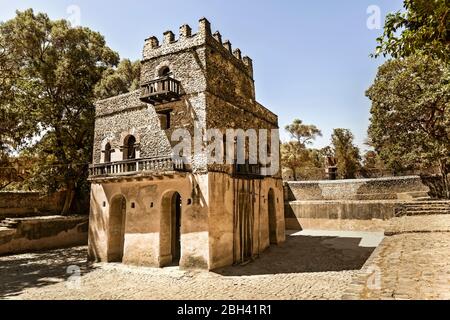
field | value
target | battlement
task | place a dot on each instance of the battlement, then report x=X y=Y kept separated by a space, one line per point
x=187 y=40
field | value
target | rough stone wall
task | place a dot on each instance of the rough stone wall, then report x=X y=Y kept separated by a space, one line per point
x=227 y=76
x=218 y=92
x=21 y=204
x=40 y=233
x=123 y=115
x=358 y=189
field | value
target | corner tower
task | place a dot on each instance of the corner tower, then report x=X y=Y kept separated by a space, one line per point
x=150 y=208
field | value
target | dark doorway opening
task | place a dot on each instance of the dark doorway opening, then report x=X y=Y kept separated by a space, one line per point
x=116 y=236
x=272 y=217
x=176 y=228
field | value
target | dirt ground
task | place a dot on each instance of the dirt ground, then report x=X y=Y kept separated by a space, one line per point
x=413 y=263
x=305 y=267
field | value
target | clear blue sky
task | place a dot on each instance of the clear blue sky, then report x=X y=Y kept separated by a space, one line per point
x=311 y=58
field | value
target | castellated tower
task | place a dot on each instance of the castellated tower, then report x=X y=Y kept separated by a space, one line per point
x=150 y=207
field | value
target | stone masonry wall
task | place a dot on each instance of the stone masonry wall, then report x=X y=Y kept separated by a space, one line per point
x=358 y=189
x=218 y=92
x=361 y=204
x=20 y=204
x=40 y=233
x=123 y=115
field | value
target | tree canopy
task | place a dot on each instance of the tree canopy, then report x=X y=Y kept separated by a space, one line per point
x=47 y=91
x=410 y=114
x=302 y=133
x=424 y=26
x=294 y=154
x=123 y=79
x=346 y=153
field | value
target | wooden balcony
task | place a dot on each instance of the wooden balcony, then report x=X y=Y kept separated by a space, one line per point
x=136 y=166
x=161 y=90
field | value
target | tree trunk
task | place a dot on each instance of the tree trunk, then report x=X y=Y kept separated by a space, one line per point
x=444 y=173
x=70 y=195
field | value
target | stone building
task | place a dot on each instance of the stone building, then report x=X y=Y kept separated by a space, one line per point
x=147 y=207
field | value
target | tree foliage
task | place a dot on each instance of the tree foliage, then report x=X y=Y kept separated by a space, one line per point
x=410 y=114
x=346 y=153
x=294 y=154
x=123 y=79
x=424 y=27
x=48 y=82
x=302 y=133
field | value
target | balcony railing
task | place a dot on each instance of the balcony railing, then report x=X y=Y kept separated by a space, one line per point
x=134 y=166
x=161 y=90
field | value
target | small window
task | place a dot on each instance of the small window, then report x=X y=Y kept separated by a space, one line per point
x=164 y=120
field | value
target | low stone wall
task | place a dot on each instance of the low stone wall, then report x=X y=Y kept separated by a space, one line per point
x=360 y=204
x=367 y=215
x=402 y=188
x=40 y=233
x=25 y=204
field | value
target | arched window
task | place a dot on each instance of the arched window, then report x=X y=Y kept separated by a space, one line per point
x=129 y=148
x=107 y=153
x=164 y=71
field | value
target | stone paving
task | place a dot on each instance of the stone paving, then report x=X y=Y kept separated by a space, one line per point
x=305 y=267
x=412 y=263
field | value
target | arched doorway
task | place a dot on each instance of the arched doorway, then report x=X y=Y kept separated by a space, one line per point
x=116 y=229
x=272 y=217
x=170 y=232
x=176 y=228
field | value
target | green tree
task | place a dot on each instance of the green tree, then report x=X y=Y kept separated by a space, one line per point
x=51 y=76
x=302 y=133
x=424 y=26
x=294 y=154
x=125 y=78
x=372 y=165
x=346 y=153
x=410 y=114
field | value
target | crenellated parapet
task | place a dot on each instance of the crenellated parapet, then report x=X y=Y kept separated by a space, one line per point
x=186 y=40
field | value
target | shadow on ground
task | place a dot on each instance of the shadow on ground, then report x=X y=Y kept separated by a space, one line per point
x=301 y=254
x=34 y=270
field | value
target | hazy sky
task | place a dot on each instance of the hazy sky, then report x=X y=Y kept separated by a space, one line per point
x=311 y=58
